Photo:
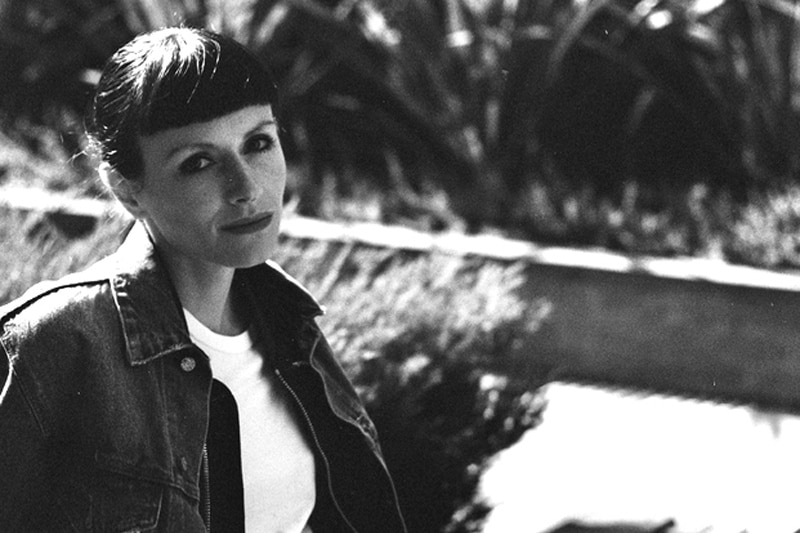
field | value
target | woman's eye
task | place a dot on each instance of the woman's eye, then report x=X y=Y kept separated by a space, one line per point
x=195 y=163
x=259 y=143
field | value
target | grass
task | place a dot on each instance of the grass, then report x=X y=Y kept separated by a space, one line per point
x=34 y=249
x=37 y=156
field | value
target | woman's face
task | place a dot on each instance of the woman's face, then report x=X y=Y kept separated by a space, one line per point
x=212 y=192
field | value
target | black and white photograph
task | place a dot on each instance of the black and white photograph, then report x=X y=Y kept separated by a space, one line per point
x=399 y=266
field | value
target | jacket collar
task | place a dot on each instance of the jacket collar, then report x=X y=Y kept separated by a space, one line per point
x=150 y=313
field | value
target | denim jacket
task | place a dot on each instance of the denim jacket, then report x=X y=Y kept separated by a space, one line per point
x=104 y=406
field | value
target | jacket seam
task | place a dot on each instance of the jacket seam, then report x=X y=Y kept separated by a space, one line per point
x=122 y=469
x=23 y=389
x=23 y=302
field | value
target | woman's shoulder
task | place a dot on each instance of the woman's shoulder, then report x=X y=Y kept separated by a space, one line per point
x=74 y=300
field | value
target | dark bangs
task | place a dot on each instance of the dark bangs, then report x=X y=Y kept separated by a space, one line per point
x=219 y=78
x=168 y=79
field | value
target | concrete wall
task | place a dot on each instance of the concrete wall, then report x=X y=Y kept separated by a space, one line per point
x=692 y=337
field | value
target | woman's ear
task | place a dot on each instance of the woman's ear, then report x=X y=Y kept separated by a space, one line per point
x=125 y=190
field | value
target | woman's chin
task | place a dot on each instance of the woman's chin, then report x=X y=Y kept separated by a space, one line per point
x=251 y=255
x=252 y=259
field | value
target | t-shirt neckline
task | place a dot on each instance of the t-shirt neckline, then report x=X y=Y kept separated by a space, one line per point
x=224 y=343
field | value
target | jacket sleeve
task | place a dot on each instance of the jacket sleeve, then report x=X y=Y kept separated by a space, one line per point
x=23 y=461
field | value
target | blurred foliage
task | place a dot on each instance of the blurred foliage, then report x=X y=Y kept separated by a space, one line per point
x=494 y=113
x=768 y=232
x=647 y=126
x=673 y=93
x=37 y=247
x=436 y=346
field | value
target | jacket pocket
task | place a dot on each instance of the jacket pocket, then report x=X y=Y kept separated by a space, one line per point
x=114 y=503
x=123 y=504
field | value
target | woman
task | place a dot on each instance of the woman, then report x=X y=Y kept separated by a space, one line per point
x=181 y=384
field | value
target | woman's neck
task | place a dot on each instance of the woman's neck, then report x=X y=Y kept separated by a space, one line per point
x=206 y=291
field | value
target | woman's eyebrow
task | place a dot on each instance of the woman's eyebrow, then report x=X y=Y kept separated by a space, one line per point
x=261 y=125
x=186 y=147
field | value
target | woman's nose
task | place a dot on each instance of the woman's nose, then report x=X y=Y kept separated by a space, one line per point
x=243 y=185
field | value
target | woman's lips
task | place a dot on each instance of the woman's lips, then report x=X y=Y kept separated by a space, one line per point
x=249 y=224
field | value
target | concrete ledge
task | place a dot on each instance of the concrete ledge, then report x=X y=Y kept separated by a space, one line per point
x=498 y=248
x=690 y=327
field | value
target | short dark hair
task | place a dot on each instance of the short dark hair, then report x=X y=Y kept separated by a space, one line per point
x=170 y=78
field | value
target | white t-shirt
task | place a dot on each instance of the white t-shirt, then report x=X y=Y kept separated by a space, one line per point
x=277 y=463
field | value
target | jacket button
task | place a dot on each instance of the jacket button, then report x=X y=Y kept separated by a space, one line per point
x=188 y=364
